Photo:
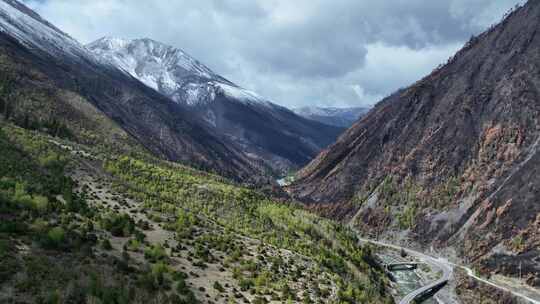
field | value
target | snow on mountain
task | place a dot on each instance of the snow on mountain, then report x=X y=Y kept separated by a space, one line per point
x=239 y=93
x=268 y=133
x=325 y=111
x=342 y=117
x=224 y=126
x=34 y=32
x=169 y=70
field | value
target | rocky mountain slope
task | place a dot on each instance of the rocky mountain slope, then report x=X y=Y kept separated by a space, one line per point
x=340 y=117
x=64 y=82
x=265 y=131
x=453 y=160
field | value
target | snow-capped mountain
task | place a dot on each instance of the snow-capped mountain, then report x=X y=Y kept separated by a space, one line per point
x=169 y=70
x=264 y=130
x=195 y=116
x=79 y=89
x=341 y=117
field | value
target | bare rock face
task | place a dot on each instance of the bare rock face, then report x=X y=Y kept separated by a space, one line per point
x=454 y=159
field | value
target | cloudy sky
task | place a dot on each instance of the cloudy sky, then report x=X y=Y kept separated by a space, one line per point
x=294 y=52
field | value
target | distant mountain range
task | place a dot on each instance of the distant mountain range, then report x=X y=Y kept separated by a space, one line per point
x=340 y=117
x=264 y=131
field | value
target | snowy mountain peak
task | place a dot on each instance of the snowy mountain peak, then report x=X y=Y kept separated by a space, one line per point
x=109 y=43
x=326 y=110
x=169 y=70
x=148 y=50
x=342 y=117
x=146 y=58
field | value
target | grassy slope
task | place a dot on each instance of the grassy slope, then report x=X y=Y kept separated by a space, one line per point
x=46 y=242
x=56 y=234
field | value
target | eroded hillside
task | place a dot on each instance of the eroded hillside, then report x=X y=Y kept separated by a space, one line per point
x=451 y=161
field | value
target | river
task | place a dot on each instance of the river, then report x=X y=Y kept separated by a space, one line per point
x=406 y=280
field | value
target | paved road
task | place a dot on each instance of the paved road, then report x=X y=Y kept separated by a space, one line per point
x=470 y=273
x=447 y=272
x=447 y=268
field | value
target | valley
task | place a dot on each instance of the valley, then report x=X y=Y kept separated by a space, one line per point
x=131 y=172
x=448 y=163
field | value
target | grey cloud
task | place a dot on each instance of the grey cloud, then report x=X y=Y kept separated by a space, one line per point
x=302 y=52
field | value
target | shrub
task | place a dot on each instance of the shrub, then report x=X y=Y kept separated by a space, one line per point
x=106 y=245
x=218 y=287
x=160 y=268
x=133 y=245
x=260 y=300
x=158 y=271
x=154 y=253
x=179 y=276
x=119 y=225
x=56 y=237
x=262 y=280
x=245 y=284
x=182 y=288
x=40 y=204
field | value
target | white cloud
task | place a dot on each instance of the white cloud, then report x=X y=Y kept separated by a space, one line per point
x=296 y=53
x=396 y=67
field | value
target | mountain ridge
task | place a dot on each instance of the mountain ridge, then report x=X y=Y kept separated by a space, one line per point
x=64 y=65
x=448 y=158
x=266 y=132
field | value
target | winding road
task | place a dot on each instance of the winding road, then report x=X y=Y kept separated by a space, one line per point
x=444 y=266
x=426 y=289
x=447 y=269
x=470 y=273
